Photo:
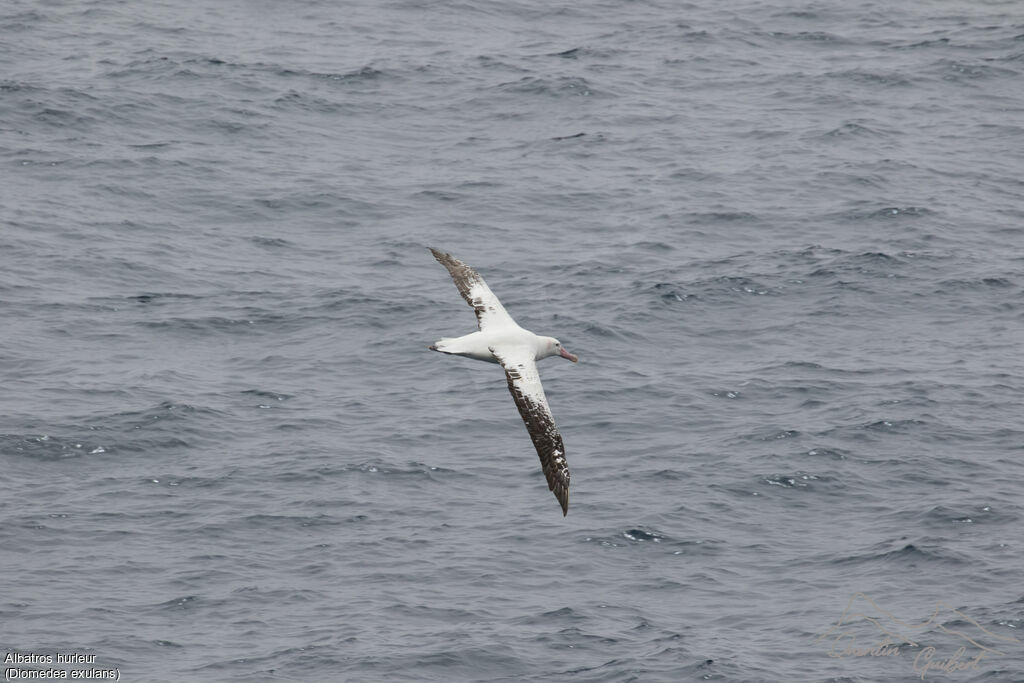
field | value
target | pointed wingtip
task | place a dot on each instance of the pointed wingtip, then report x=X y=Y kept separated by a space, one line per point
x=564 y=502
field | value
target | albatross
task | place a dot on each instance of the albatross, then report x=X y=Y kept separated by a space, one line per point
x=501 y=340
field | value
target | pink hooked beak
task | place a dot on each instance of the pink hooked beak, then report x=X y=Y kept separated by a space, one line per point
x=565 y=354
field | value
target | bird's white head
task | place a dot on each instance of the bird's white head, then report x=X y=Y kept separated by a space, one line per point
x=553 y=347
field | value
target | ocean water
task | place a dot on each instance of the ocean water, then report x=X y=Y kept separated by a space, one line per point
x=785 y=240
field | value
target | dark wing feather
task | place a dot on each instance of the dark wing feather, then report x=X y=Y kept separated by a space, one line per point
x=474 y=290
x=527 y=392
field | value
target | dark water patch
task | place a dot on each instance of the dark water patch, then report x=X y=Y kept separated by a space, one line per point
x=301 y=662
x=430 y=613
x=839 y=179
x=944 y=516
x=150 y=66
x=64 y=119
x=182 y=603
x=853 y=130
x=166 y=412
x=168 y=425
x=273 y=396
x=164 y=297
x=493 y=62
x=9 y=87
x=412 y=470
x=935 y=42
x=306 y=201
x=654 y=246
x=249 y=321
x=602 y=331
x=815 y=369
x=594 y=269
x=885 y=213
x=921 y=554
x=963 y=72
x=875 y=264
x=861 y=77
x=556 y=87
x=362 y=75
x=710 y=218
x=294 y=99
x=556 y=616
x=23 y=21
x=823 y=37
x=828 y=453
x=271 y=242
x=443 y=195
x=779 y=434
x=979 y=284
x=588 y=53
x=897 y=426
x=569 y=137
x=928 y=429
x=710 y=290
x=166 y=643
x=289 y=522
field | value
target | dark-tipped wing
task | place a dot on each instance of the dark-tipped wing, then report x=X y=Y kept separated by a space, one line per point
x=527 y=392
x=475 y=291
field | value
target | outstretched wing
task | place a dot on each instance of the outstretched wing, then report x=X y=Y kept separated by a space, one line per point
x=489 y=311
x=527 y=392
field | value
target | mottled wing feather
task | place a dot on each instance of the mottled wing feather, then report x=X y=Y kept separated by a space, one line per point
x=527 y=392
x=474 y=290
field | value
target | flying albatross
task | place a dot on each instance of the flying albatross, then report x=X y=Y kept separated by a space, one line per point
x=500 y=340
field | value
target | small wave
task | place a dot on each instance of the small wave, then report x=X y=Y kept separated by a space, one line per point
x=271 y=242
x=47 y=447
x=810 y=36
x=797 y=480
x=641 y=535
x=910 y=555
x=942 y=516
x=725 y=287
x=562 y=86
x=963 y=72
x=885 y=213
x=294 y=99
x=937 y=42
x=163 y=297
x=979 y=284
x=267 y=394
x=861 y=77
x=586 y=53
x=831 y=453
x=853 y=130
x=248 y=321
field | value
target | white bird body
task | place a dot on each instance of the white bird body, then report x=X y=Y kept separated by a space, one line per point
x=501 y=340
x=478 y=344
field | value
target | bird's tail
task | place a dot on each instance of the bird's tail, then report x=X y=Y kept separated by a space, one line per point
x=440 y=345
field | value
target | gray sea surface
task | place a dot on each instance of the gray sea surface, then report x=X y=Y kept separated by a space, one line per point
x=786 y=240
